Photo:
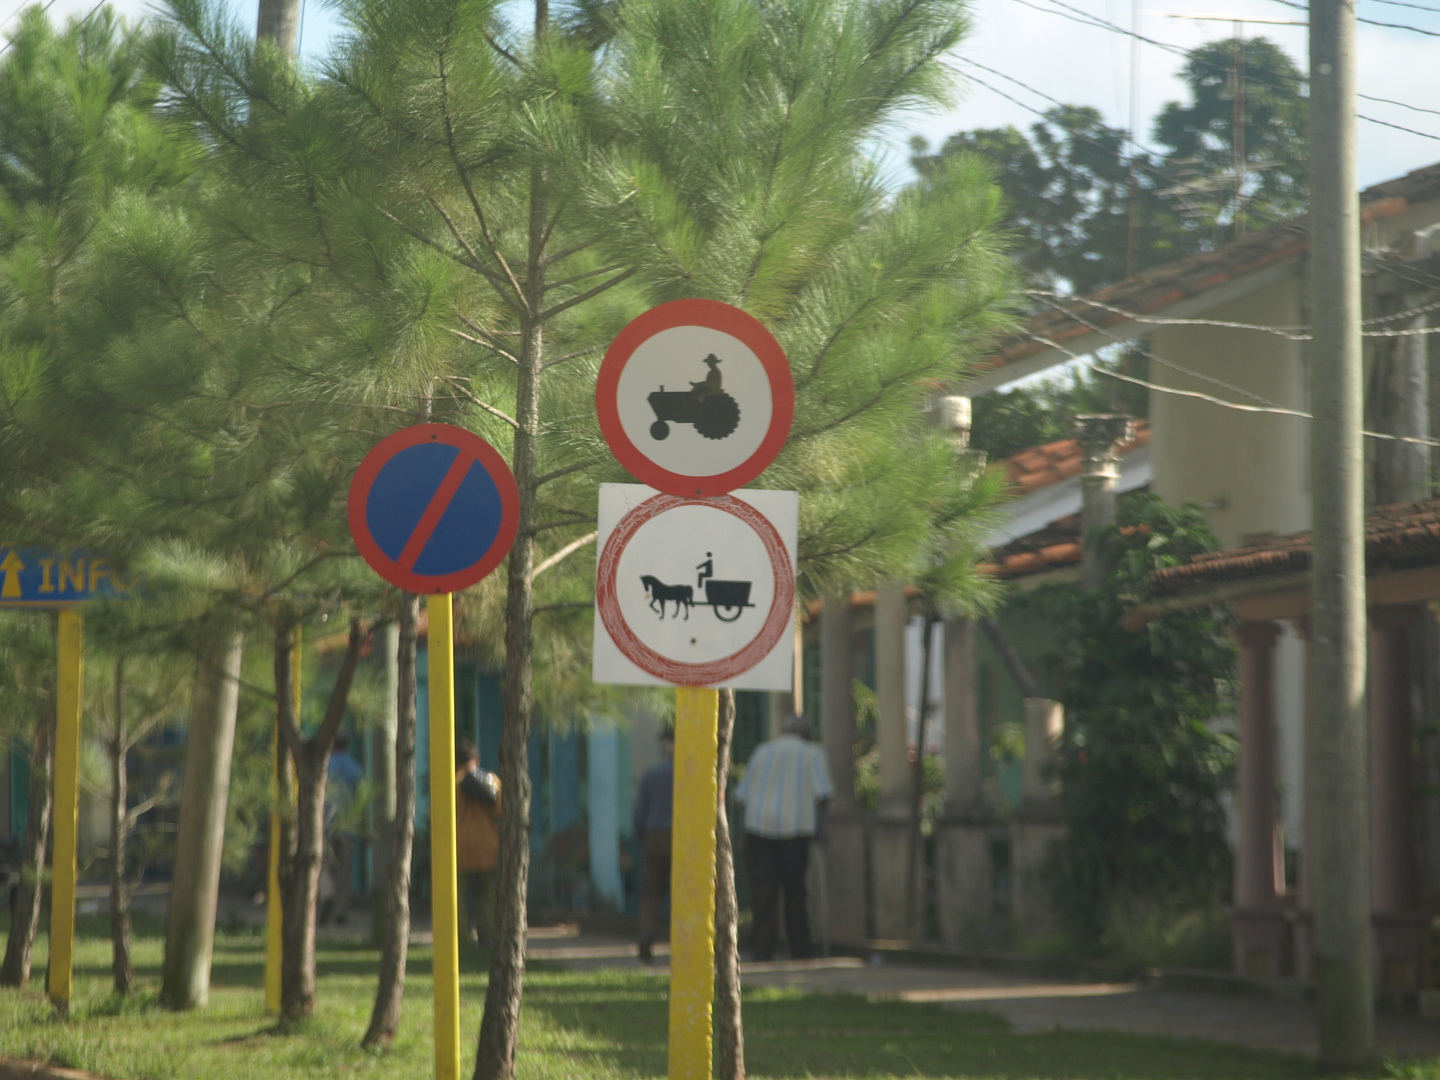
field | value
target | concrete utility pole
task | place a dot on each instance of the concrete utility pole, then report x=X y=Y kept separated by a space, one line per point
x=1337 y=758
x=279 y=21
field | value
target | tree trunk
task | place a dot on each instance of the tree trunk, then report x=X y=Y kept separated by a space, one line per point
x=300 y=881
x=300 y=872
x=395 y=936
x=25 y=908
x=914 y=896
x=190 y=933
x=729 y=1031
x=500 y=1026
x=382 y=778
x=120 y=967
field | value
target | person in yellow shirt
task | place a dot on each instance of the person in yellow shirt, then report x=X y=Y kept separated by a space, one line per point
x=477 y=842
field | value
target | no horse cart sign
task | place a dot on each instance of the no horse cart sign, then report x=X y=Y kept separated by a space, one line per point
x=695 y=592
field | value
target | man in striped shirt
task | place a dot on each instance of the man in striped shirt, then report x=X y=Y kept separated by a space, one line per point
x=784 y=790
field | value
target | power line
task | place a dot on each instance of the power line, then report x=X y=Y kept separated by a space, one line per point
x=1098 y=23
x=1406 y=4
x=1054 y=101
x=1162 y=361
x=1289 y=333
x=1374 y=22
x=49 y=4
x=1402 y=104
x=1275 y=410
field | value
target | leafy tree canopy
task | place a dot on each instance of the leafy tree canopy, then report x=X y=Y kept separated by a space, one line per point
x=1073 y=181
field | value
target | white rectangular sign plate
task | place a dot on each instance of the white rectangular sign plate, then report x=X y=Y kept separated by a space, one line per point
x=695 y=592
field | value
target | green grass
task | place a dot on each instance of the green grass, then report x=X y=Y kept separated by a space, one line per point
x=575 y=1026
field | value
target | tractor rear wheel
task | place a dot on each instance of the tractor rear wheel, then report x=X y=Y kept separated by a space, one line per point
x=718 y=416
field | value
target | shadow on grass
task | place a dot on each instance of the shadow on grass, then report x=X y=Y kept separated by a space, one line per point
x=620 y=1022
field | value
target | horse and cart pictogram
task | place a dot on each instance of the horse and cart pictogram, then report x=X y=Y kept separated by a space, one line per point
x=727 y=599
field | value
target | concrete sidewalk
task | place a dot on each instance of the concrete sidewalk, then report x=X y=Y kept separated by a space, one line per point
x=1028 y=1002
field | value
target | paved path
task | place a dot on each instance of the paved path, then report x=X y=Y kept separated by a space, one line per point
x=1029 y=1003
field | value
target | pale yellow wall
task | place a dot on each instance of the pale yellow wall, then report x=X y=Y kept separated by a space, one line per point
x=1253 y=465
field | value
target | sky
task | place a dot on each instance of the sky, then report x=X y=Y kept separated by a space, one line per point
x=1033 y=41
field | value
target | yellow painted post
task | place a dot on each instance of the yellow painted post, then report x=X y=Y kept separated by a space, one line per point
x=441 y=649
x=274 y=913
x=692 y=884
x=67 y=805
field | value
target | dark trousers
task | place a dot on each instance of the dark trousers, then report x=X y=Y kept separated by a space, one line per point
x=477 y=921
x=775 y=865
x=654 y=883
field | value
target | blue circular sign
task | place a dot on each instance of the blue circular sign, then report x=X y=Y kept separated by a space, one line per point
x=433 y=508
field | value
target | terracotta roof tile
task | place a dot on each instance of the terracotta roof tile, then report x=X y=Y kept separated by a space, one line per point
x=1040 y=466
x=1160 y=287
x=1397 y=537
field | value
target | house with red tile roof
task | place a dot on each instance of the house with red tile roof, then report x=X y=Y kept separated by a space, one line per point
x=1225 y=336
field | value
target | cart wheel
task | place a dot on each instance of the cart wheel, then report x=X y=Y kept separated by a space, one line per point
x=720 y=613
x=659 y=429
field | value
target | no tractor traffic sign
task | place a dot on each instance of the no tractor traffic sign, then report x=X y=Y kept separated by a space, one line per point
x=695 y=398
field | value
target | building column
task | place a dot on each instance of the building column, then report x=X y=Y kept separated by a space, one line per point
x=1100 y=437
x=1399 y=926
x=844 y=854
x=1304 y=914
x=890 y=829
x=1037 y=823
x=1258 y=926
x=965 y=889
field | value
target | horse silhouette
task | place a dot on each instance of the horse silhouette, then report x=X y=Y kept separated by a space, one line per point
x=659 y=593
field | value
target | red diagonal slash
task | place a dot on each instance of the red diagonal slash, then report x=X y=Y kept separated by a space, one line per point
x=439 y=502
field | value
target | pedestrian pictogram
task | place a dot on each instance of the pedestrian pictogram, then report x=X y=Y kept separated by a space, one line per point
x=653 y=581
x=433 y=508
x=695 y=397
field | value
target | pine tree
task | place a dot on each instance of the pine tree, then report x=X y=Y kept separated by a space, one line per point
x=506 y=195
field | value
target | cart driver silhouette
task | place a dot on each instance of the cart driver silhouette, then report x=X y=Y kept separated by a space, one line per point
x=707 y=570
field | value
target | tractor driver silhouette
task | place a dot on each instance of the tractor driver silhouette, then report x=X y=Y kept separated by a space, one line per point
x=711 y=383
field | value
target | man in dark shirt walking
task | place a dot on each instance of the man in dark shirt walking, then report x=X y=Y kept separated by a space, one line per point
x=654 y=804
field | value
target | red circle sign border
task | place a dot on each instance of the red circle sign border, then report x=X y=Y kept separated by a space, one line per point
x=716 y=316
x=678 y=672
x=380 y=455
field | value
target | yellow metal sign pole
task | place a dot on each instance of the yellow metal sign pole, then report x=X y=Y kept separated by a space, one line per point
x=442 y=838
x=67 y=805
x=692 y=884
x=274 y=913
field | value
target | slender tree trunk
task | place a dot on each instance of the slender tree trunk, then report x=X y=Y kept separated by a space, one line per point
x=120 y=967
x=300 y=873
x=382 y=774
x=300 y=884
x=190 y=934
x=914 y=898
x=729 y=1030
x=395 y=936
x=500 y=1026
x=25 y=909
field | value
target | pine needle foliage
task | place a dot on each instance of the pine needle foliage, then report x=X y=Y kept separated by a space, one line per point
x=459 y=210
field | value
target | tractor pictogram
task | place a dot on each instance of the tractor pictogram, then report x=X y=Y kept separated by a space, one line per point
x=714 y=413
